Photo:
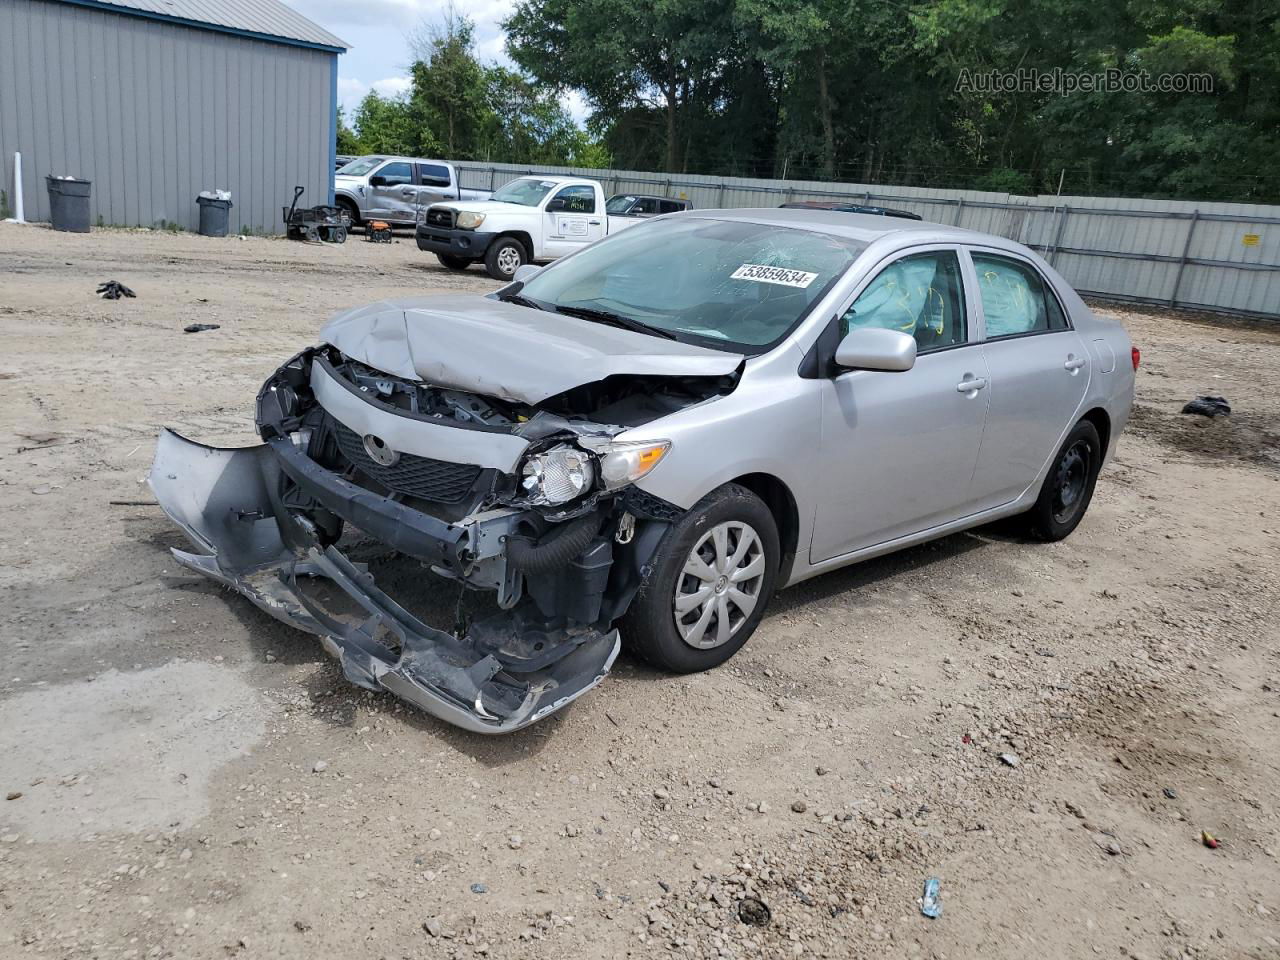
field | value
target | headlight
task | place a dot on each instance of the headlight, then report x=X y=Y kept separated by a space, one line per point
x=557 y=475
x=422 y=214
x=469 y=221
x=626 y=462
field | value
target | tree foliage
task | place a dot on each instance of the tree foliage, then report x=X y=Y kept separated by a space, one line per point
x=867 y=90
x=458 y=108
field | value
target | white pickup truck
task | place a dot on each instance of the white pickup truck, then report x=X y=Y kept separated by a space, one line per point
x=529 y=219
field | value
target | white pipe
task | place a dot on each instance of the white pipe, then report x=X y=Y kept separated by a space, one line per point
x=17 y=188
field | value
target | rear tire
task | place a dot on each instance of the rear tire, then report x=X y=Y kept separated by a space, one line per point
x=451 y=262
x=722 y=554
x=504 y=257
x=1068 y=487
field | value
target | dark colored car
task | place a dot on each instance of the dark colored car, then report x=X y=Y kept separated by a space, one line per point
x=843 y=207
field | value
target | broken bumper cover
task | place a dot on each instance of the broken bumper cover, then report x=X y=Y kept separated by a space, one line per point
x=228 y=503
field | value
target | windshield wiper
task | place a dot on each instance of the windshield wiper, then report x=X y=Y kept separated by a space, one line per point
x=616 y=320
x=520 y=301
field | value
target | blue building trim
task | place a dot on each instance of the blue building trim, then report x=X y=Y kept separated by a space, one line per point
x=333 y=125
x=214 y=27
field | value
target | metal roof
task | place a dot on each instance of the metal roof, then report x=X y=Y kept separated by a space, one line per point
x=262 y=19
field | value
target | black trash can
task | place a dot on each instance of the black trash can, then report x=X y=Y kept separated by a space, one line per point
x=69 y=204
x=213 y=216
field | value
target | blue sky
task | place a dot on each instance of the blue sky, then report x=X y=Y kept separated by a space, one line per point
x=377 y=32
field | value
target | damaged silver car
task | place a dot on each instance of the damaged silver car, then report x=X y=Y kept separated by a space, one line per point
x=640 y=443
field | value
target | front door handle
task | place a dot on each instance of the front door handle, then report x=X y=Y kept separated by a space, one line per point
x=594 y=223
x=1073 y=363
x=970 y=385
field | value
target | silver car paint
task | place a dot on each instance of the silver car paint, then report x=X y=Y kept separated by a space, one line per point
x=771 y=423
x=503 y=350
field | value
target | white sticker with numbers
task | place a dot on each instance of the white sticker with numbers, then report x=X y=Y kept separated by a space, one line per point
x=778 y=275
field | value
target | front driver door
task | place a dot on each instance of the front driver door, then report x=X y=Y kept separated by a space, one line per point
x=574 y=222
x=393 y=195
x=899 y=449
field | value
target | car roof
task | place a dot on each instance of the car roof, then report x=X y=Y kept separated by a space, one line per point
x=866 y=227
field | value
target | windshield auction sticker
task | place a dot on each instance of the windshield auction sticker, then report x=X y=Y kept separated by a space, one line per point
x=779 y=275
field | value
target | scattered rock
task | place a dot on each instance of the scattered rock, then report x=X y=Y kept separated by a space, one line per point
x=1010 y=759
x=434 y=834
x=661 y=793
x=821 y=771
x=754 y=912
x=479 y=888
x=13 y=795
x=515 y=841
x=320 y=766
x=433 y=926
x=799 y=806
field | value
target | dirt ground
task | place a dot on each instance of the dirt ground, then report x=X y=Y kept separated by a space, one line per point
x=190 y=779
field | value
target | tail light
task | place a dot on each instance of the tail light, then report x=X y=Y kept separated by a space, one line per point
x=1136 y=354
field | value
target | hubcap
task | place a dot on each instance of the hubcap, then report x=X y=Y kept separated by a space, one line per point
x=1071 y=480
x=509 y=259
x=719 y=585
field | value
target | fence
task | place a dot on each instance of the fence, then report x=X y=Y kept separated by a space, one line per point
x=1223 y=257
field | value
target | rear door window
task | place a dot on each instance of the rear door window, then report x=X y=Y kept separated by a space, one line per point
x=1015 y=299
x=670 y=206
x=434 y=175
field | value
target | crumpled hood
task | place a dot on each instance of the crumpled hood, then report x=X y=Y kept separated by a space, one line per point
x=473 y=343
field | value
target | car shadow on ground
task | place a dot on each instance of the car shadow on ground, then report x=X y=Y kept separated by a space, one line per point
x=336 y=701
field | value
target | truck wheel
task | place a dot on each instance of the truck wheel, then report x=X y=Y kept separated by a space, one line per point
x=350 y=210
x=453 y=263
x=504 y=257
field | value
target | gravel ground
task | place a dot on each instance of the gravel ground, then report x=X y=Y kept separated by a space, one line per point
x=190 y=779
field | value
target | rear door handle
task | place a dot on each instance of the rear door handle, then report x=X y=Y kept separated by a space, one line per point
x=1073 y=363
x=971 y=385
x=594 y=223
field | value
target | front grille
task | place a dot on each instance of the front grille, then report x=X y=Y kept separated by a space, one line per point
x=440 y=217
x=413 y=476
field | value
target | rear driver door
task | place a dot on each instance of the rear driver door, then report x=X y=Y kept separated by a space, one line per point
x=1039 y=372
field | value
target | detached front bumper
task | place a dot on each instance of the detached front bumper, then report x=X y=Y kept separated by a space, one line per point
x=453 y=242
x=494 y=680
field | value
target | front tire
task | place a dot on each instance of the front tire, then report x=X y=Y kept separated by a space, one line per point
x=504 y=257
x=1068 y=487
x=449 y=261
x=709 y=583
x=350 y=210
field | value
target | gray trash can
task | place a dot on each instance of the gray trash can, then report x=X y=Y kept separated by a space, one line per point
x=69 y=204
x=213 y=216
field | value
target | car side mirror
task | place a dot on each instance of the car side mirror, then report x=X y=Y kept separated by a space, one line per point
x=526 y=272
x=872 y=348
x=556 y=203
x=377 y=181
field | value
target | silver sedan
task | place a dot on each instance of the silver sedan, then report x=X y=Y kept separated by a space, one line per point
x=640 y=444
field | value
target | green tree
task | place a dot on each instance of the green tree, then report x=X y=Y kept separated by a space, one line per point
x=387 y=125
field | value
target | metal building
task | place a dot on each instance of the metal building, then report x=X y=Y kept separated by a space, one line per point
x=156 y=100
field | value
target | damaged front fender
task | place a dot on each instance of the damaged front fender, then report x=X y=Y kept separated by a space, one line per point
x=228 y=503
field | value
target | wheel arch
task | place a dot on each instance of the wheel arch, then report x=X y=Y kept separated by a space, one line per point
x=1101 y=421
x=781 y=502
x=520 y=236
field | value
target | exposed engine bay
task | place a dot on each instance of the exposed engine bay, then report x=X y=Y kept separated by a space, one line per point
x=534 y=502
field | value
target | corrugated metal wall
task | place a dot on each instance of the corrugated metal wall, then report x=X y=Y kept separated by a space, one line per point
x=1217 y=256
x=154 y=113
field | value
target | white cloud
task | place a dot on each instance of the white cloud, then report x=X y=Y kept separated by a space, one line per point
x=392 y=86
